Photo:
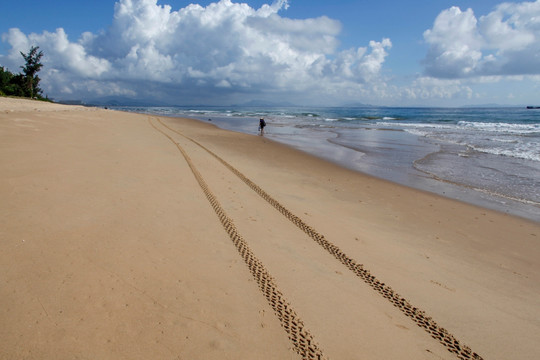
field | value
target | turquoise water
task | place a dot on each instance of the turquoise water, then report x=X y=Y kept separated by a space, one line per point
x=486 y=156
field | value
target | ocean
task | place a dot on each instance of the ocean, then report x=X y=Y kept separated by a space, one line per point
x=485 y=156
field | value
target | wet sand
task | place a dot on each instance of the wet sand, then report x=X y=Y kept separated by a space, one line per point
x=129 y=236
x=426 y=164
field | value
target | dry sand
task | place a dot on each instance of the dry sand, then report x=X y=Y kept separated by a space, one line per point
x=110 y=249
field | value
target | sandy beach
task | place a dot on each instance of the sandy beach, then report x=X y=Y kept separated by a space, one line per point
x=129 y=236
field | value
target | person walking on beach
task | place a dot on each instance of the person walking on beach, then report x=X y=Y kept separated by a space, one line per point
x=262 y=124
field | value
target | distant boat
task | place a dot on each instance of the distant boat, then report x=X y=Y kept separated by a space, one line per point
x=533 y=107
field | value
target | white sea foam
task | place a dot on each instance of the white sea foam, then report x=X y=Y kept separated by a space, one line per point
x=526 y=151
x=475 y=126
x=416 y=125
x=417 y=132
x=200 y=111
x=502 y=127
x=503 y=139
x=506 y=141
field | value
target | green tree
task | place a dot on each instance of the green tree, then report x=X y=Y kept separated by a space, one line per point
x=12 y=84
x=17 y=86
x=30 y=69
x=5 y=79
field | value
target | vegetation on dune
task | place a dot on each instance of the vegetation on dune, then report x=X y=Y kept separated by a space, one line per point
x=25 y=84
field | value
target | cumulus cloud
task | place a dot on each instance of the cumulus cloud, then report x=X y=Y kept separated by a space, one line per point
x=504 y=42
x=225 y=48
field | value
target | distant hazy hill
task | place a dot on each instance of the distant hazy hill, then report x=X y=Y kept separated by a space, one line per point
x=357 y=105
x=112 y=101
x=488 y=106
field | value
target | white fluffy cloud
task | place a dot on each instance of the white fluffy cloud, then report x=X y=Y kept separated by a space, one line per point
x=503 y=42
x=223 y=49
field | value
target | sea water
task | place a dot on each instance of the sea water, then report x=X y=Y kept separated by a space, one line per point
x=485 y=156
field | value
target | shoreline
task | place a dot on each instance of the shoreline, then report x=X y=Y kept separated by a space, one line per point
x=405 y=173
x=110 y=238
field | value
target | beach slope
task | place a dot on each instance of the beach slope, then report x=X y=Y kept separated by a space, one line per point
x=127 y=236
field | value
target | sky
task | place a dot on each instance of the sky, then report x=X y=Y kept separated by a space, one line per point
x=303 y=52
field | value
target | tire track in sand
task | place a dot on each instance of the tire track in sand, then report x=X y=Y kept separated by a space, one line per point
x=424 y=321
x=301 y=338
